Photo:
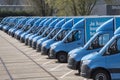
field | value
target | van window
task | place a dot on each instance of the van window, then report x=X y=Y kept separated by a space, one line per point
x=118 y=45
x=73 y=36
x=103 y=39
x=36 y=28
x=62 y=34
x=27 y=28
x=20 y=26
x=53 y=33
x=99 y=41
x=47 y=32
x=42 y=30
x=114 y=48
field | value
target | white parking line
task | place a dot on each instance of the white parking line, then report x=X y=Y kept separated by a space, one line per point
x=56 y=67
x=47 y=62
x=40 y=58
x=66 y=74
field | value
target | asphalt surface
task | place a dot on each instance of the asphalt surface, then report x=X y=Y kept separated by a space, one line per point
x=20 y=62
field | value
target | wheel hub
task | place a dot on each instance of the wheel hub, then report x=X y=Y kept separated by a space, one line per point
x=100 y=76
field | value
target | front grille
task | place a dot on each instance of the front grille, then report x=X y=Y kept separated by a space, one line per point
x=52 y=53
x=71 y=61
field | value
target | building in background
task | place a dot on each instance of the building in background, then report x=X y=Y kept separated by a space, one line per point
x=15 y=5
x=103 y=7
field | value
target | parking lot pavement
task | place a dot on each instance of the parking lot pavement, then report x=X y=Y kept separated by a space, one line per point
x=20 y=62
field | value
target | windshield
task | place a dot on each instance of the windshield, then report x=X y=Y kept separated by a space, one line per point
x=27 y=28
x=11 y=24
x=42 y=30
x=20 y=26
x=47 y=32
x=99 y=41
x=62 y=34
x=36 y=29
x=73 y=36
x=113 y=46
x=53 y=33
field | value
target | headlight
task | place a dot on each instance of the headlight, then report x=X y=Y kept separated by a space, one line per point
x=44 y=44
x=86 y=61
x=53 y=47
x=72 y=54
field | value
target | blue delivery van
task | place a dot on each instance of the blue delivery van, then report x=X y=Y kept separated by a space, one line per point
x=36 y=32
x=45 y=33
x=26 y=27
x=66 y=27
x=18 y=26
x=35 y=25
x=102 y=35
x=75 y=38
x=44 y=27
x=63 y=29
x=104 y=64
x=51 y=34
x=3 y=22
x=15 y=21
x=21 y=27
x=6 y=22
x=9 y=31
x=11 y=23
x=36 y=29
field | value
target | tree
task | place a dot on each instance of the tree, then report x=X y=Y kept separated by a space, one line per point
x=85 y=6
x=63 y=7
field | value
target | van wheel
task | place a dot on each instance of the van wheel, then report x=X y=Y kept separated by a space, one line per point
x=101 y=75
x=62 y=57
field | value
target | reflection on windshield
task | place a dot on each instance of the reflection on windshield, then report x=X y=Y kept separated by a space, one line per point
x=36 y=28
x=73 y=36
x=11 y=24
x=47 y=32
x=99 y=41
x=42 y=30
x=114 y=47
x=27 y=28
x=53 y=33
x=62 y=34
x=20 y=26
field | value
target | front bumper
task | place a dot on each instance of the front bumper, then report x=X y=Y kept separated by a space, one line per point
x=44 y=50
x=38 y=47
x=22 y=39
x=85 y=71
x=26 y=41
x=73 y=64
x=30 y=42
x=34 y=44
x=52 y=54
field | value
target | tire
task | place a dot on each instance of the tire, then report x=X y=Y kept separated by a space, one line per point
x=101 y=75
x=62 y=57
